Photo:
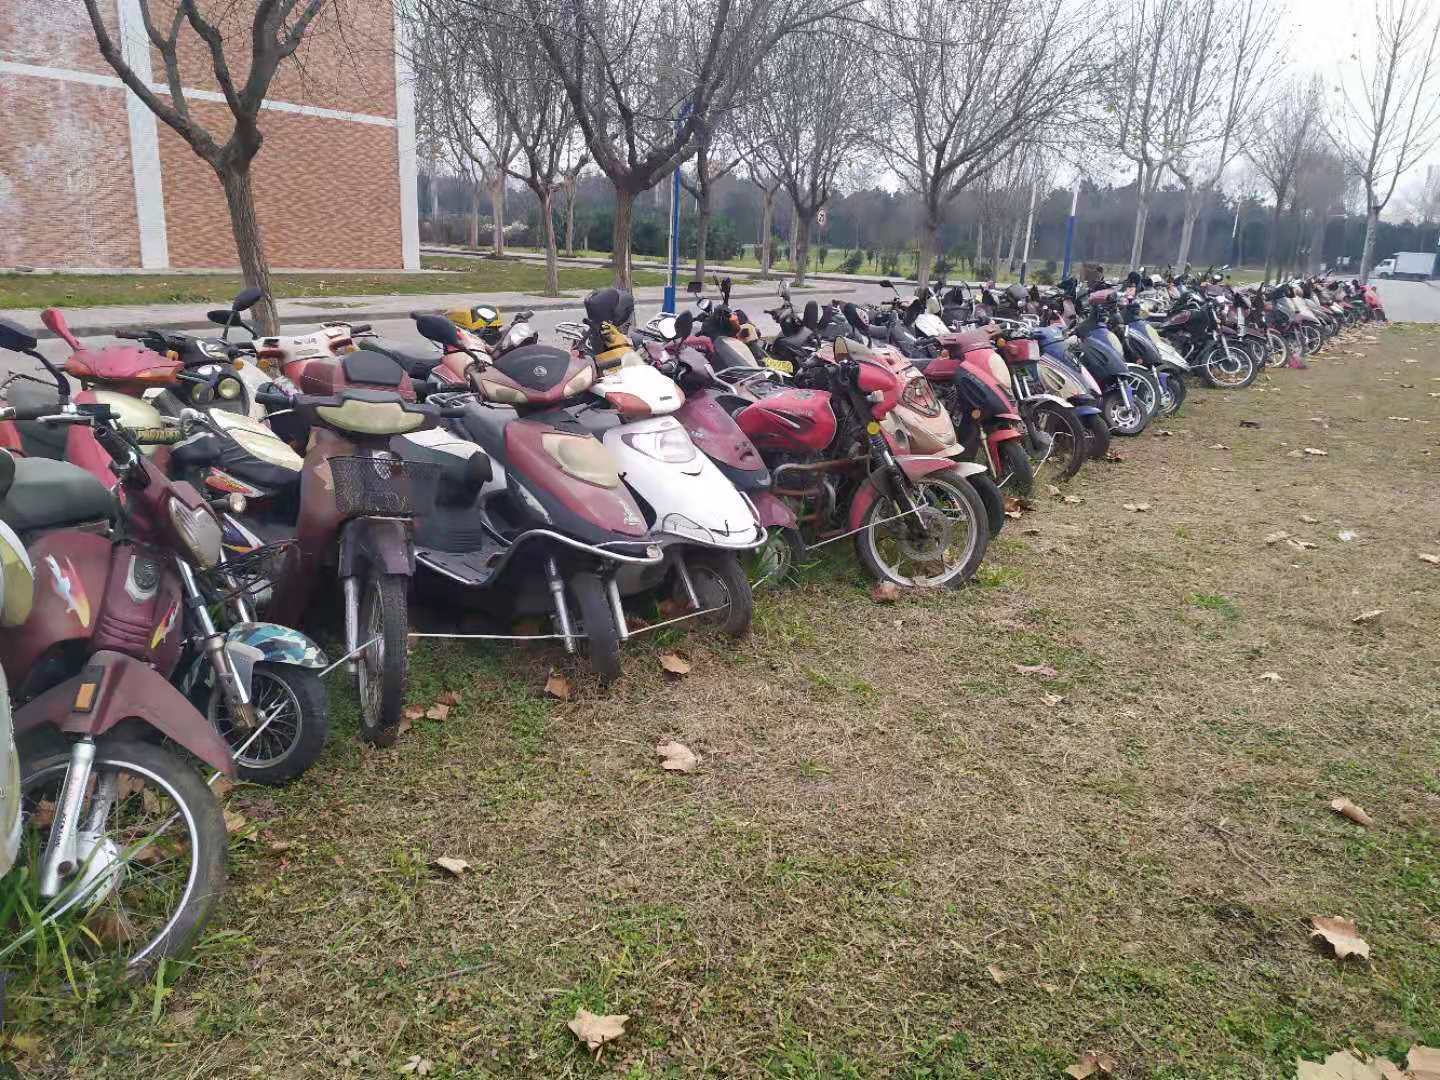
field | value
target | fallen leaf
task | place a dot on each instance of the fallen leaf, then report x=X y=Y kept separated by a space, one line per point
x=1313 y=452
x=996 y=973
x=595 y=1031
x=1163 y=434
x=1272 y=676
x=1219 y=446
x=1302 y=545
x=1051 y=700
x=1341 y=935
x=1137 y=508
x=1276 y=537
x=1013 y=515
x=676 y=757
x=674 y=664
x=453 y=867
x=413 y=713
x=1295 y=454
x=279 y=847
x=44 y=814
x=1114 y=455
x=1073 y=500
x=1433 y=560
x=450 y=697
x=1091 y=1063
x=670 y=608
x=222 y=786
x=1347 y=536
x=111 y=927
x=1347 y=809
x=885 y=592
x=1250 y=423
x=1051 y=489
x=1368 y=616
x=1045 y=671
x=1308 y=520
x=437 y=712
x=417 y=1066
x=557 y=686
x=234 y=821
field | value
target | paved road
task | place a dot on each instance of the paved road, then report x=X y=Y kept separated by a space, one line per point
x=1411 y=301
x=401 y=332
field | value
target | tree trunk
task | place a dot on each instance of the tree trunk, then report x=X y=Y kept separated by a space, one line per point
x=1014 y=243
x=620 y=239
x=802 y=244
x=546 y=195
x=767 y=226
x=929 y=241
x=995 y=261
x=497 y=209
x=570 y=220
x=1272 y=247
x=1187 y=229
x=979 y=245
x=240 y=197
x=1142 y=216
x=1317 y=242
x=475 y=215
x=794 y=238
x=702 y=230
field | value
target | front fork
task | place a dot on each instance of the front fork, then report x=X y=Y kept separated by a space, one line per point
x=900 y=492
x=227 y=678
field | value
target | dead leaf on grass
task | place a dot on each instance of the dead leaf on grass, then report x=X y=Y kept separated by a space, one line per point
x=1114 y=455
x=44 y=814
x=453 y=867
x=1051 y=700
x=672 y=663
x=1163 y=434
x=222 y=786
x=1272 y=676
x=1308 y=520
x=595 y=1031
x=438 y=711
x=1073 y=500
x=557 y=686
x=676 y=757
x=1000 y=976
x=1315 y=452
x=417 y=1066
x=1302 y=545
x=1276 y=537
x=1347 y=809
x=1045 y=671
x=111 y=927
x=234 y=822
x=669 y=608
x=1426 y=557
x=1090 y=1064
x=413 y=713
x=1341 y=935
x=1219 y=446
x=1368 y=616
x=1051 y=489
x=1137 y=508
x=450 y=697
x=279 y=847
x=1294 y=454
x=885 y=592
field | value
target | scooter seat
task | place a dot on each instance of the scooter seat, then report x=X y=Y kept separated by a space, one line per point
x=371 y=368
x=46 y=494
x=37 y=439
x=418 y=367
x=536 y=367
x=486 y=426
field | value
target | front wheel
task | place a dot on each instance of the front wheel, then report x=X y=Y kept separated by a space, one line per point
x=1128 y=417
x=941 y=544
x=1016 y=473
x=152 y=855
x=1174 y=392
x=723 y=589
x=774 y=562
x=1227 y=367
x=1097 y=435
x=385 y=662
x=1059 y=439
x=292 y=704
x=597 y=623
x=991 y=499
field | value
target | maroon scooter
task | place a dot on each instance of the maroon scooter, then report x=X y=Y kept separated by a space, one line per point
x=126 y=843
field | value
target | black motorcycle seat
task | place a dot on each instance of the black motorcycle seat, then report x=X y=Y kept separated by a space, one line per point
x=486 y=426
x=418 y=367
x=37 y=439
x=371 y=368
x=796 y=344
x=537 y=367
x=48 y=494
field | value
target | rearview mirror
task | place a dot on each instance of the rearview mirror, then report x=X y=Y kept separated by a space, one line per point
x=811 y=318
x=885 y=284
x=695 y=288
x=725 y=284
x=684 y=323
x=245 y=299
x=220 y=316
x=15 y=337
x=438 y=329
x=524 y=316
x=785 y=289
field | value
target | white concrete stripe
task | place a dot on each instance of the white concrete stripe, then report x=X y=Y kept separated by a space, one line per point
x=405 y=140
x=144 y=144
x=10 y=67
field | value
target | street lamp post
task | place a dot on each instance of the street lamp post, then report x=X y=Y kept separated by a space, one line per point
x=669 y=302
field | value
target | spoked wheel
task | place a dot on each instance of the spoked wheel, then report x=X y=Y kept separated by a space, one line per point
x=384 y=664
x=941 y=544
x=1055 y=441
x=1312 y=337
x=152 y=847
x=723 y=589
x=1276 y=350
x=292 y=716
x=1173 y=392
x=1226 y=366
x=991 y=499
x=773 y=563
x=597 y=622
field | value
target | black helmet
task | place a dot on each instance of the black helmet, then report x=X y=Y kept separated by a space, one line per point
x=615 y=306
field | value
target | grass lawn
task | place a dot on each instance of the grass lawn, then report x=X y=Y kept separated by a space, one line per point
x=463 y=275
x=901 y=855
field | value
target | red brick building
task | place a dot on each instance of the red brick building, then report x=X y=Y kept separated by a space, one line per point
x=89 y=177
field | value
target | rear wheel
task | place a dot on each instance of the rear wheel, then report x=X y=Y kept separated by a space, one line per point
x=1276 y=350
x=991 y=499
x=293 y=701
x=384 y=664
x=1017 y=476
x=1097 y=435
x=1175 y=391
x=1056 y=441
x=944 y=547
x=720 y=583
x=774 y=562
x=597 y=622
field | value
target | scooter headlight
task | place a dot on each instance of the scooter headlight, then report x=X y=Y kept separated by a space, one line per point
x=669 y=444
x=198 y=530
x=229 y=389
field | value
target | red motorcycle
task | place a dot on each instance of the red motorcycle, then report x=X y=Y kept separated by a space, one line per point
x=125 y=842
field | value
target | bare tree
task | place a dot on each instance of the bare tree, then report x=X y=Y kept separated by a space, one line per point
x=809 y=116
x=1389 y=107
x=1422 y=200
x=570 y=181
x=712 y=163
x=1242 y=39
x=967 y=80
x=1321 y=184
x=1285 y=131
x=273 y=34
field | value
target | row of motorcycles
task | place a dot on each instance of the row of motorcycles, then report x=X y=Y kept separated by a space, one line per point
x=167 y=525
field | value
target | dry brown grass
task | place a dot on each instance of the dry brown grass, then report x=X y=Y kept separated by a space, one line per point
x=885 y=806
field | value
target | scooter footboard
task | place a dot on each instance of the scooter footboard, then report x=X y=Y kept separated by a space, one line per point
x=113 y=688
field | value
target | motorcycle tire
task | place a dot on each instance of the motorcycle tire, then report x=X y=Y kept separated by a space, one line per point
x=1276 y=351
x=46 y=761
x=1067 y=447
x=1312 y=337
x=1097 y=436
x=993 y=501
x=597 y=620
x=720 y=582
x=774 y=562
x=954 y=485
x=1234 y=363
x=1175 y=384
x=1017 y=476
x=1123 y=419
x=384 y=668
x=286 y=748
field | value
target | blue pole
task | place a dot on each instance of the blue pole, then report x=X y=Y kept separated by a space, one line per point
x=1070 y=232
x=669 y=304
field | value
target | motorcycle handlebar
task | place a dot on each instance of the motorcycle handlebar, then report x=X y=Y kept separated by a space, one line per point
x=272 y=399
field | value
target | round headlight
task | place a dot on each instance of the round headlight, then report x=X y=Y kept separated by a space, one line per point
x=229 y=389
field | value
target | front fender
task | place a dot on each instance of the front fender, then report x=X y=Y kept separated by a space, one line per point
x=125 y=689
x=387 y=544
x=1054 y=399
x=277 y=644
x=914 y=466
x=771 y=511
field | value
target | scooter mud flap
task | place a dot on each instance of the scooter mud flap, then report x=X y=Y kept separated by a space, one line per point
x=384 y=543
x=112 y=688
x=772 y=512
x=915 y=466
x=248 y=644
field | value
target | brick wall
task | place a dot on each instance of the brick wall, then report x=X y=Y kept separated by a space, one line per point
x=327 y=194
x=67 y=197
x=54 y=33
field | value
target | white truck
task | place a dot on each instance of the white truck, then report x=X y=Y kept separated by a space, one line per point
x=1414 y=265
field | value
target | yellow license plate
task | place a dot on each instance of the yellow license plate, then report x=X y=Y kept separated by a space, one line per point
x=782 y=366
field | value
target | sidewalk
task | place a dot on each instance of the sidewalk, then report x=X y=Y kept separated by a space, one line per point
x=99 y=321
